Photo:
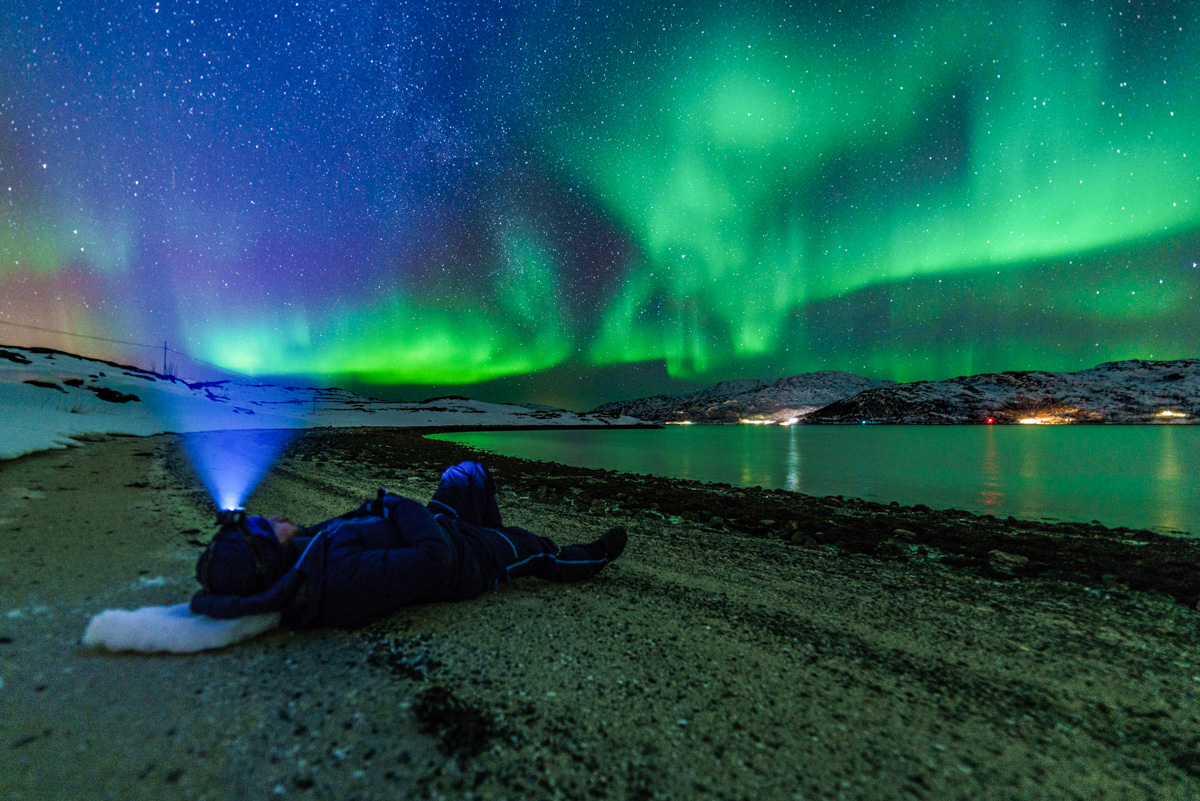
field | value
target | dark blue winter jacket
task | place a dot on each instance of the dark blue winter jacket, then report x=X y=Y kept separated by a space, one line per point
x=361 y=567
x=366 y=564
x=392 y=552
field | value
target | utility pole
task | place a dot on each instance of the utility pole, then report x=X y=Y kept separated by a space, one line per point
x=164 y=357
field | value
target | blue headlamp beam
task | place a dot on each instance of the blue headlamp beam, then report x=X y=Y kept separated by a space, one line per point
x=231 y=463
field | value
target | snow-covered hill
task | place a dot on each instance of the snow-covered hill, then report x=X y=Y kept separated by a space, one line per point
x=779 y=401
x=1132 y=391
x=48 y=397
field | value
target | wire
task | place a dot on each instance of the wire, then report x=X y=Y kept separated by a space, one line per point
x=123 y=342
x=81 y=336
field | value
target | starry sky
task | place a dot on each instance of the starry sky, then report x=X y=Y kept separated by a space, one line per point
x=571 y=202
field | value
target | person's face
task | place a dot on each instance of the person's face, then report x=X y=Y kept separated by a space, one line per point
x=285 y=529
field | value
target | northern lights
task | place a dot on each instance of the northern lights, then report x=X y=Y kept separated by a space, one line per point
x=550 y=196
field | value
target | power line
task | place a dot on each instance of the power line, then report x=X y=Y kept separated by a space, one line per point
x=123 y=342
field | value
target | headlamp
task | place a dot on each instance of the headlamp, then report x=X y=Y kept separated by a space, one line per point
x=231 y=523
x=231 y=520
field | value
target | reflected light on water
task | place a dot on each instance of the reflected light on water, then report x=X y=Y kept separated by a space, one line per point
x=991 y=496
x=755 y=470
x=1168 y=465
x=795 y=471
x=1169 y=484
x=1135 y=476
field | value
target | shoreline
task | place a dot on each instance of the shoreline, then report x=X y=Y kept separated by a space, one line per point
x=712 y=661
x=998 y=492
x=1090 y=554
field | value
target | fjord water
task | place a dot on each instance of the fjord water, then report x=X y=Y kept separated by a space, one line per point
x=1135 y=476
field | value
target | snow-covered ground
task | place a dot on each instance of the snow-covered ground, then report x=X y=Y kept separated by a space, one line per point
x=48 y=398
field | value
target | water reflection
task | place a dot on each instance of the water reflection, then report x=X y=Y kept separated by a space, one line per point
x=991 y=496
x=1168 y=467
x=1170 y=484
x=1134 y=476
x=759 y=456
x=795 y=464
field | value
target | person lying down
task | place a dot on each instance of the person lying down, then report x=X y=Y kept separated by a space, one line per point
x=389 y=553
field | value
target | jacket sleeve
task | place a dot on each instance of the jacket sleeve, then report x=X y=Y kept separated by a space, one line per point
x=365 y=582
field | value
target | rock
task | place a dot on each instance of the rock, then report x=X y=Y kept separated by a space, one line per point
x=905 y=534
x=1113 y=584
x=597 y=507
x=804 y=540
x=1003 y=558
x=716 y=521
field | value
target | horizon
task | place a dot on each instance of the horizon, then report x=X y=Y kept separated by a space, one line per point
x=548 y=202
x=426 y=393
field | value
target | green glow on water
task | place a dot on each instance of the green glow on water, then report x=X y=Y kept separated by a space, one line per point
x=1149 y=479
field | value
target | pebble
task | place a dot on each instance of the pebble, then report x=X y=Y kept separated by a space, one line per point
x=1004 y=558
x=805 y=541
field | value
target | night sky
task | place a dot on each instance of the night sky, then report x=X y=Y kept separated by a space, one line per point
x=570 y=202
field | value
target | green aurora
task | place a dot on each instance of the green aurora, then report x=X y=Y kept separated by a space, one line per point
x=913 y=191
x=766 y=170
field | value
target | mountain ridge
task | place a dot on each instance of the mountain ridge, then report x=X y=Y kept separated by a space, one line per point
x=1127 y=392
x=1130 y=391
x=780 y=401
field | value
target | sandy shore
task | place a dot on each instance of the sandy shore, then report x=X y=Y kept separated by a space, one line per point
x=749 y=644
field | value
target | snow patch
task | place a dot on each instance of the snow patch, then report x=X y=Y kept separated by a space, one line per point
x=74 y=397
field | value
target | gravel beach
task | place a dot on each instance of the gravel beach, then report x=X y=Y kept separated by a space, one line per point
x=750 y=644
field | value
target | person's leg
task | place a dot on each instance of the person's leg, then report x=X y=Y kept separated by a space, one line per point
x=467 y=493
x=541 y=557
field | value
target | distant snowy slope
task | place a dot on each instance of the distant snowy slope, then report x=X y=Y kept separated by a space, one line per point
x=1114 y=392
x=48 y=397
x=733 y=401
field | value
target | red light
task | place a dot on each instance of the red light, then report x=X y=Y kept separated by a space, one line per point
x=991 y=420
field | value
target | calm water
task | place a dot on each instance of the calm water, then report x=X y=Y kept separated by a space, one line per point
x=1135 y=476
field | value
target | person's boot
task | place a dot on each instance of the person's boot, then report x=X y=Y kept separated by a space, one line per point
x=610 y=545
